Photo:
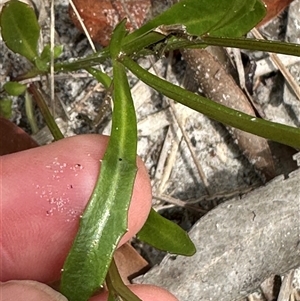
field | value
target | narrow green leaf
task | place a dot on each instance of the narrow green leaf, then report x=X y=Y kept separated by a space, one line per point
x=115 y=46
x=165 y=235
x=271 y=130
x=14 y=88
x=20 y=29
x=104 y=220
x=5 y=108
x=100 y=76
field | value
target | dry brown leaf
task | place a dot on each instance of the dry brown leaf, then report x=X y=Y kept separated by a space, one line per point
x=101 y=16
x=130 y=263
x=13 y=139
x=274 y=7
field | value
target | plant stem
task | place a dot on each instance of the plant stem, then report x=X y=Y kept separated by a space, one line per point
x=142 y=42
x=53 y=127
x=174 y=43
x=116 y=286
x=254 y=44
x=30 y=114
x=83 y=63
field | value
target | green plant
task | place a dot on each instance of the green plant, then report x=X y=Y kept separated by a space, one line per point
x=188 y=24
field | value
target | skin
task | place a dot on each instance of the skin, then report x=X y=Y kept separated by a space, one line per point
x=43 y=193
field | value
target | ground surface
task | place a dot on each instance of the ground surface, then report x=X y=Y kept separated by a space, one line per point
x=174 y=174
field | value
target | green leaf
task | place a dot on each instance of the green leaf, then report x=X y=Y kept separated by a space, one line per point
x=41 y=65
x=5 y=108
x=20 y=29
x=46 y=53
x=208 y=17
x=165 y=235
x=271 y=130
x=116 y=43
x=234 y=12
x=245 y=20
x=100 y=76
x=14 y=88
x=43 y=61
x=104 y=220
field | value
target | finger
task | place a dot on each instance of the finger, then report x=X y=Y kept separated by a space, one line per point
x=144 y=292
x=34 y=291
x=44 y=191
x=26 y=290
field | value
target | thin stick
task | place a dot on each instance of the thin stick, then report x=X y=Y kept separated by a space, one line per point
x=190 y=147
x=83 y=26
x=277 y=62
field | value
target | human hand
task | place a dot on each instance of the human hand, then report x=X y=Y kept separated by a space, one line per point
x=43 y=193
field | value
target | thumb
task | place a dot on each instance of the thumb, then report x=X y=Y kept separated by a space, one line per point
x=27 y=290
